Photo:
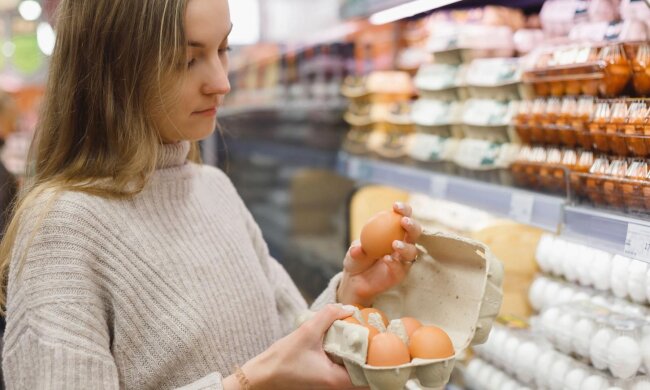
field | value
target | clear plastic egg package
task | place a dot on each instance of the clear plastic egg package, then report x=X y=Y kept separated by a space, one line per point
x=611 y=339
x=525 y=359
x=455 y=285
x=589 y=267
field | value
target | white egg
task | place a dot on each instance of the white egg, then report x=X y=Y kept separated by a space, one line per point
x=510 y=351
x=598 y=348
x=594 y=382
x=645 y=350
x=510 y=385
x=624 y=357
x=550 y=319
x=614 y=388
x=574 y=379
x=637 y=275
x=546 y=360
x=543 y=251
x=569 y=262
x=583 y=266
x=583 y=331
x=564 y=332
x=500 y=339
x=619 y=275
x=484 y=374
x=527 y=355
x=559 y=371
x=474 y=367
x=643 y=384
x=557 y=257
x=536 y=294
x=497 y=380
x=601 y=269
x=551 y=292
x=581 y=296
x=599 y=300
x=565 y=295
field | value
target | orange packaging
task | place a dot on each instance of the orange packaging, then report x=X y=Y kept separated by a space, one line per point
x=635 y=130
x=598 y=125
x=595 y=180
x=580 y=124
x=568 y=113
x=549 y=121
x=618 y=71
x=633 y=187
x=641 y=68
x=615 y=128
x=612 y=184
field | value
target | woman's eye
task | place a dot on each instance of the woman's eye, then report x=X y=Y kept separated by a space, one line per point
x=225 y=50
x=191 y=62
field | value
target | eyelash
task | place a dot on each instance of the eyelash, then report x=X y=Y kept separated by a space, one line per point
x=225 y=50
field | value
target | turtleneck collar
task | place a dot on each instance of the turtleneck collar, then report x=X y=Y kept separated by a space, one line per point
x=173 y=155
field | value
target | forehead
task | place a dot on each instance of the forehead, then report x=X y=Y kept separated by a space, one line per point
x=207 y=21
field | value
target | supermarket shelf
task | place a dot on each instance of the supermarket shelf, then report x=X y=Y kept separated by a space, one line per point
x=284 y=152
x=614 y=233
x=527 y=207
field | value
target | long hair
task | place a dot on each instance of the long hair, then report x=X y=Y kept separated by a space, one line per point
x=114 y=65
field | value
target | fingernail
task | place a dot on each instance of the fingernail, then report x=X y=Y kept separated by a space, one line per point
x=399 y=205
x=398 y=244
x=408 y=221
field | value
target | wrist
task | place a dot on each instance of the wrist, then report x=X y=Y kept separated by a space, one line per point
x=346 y=295
x=258 y=372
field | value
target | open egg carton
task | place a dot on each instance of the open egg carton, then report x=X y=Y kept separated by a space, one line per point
x=455 y=285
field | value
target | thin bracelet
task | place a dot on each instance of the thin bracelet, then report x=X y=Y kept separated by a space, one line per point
x=241 y=378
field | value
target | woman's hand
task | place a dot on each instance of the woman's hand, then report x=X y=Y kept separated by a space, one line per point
x=298 y=360
x=365 y=277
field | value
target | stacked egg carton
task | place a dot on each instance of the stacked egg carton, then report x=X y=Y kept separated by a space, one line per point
x=463 y=113
x=525 y=359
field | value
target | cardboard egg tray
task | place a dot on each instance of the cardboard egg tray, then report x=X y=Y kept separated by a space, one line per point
x=455 y=285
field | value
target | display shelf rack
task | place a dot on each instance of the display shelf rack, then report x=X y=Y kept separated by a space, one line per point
x=608 y=230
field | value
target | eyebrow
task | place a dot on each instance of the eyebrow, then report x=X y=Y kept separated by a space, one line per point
x=201 y=45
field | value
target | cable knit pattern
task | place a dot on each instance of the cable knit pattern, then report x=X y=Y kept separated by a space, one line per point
x=172 y=288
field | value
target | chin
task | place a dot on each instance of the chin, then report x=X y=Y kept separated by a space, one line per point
x=199 y=133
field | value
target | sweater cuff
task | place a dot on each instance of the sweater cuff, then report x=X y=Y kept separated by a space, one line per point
x=210 y=382
x=328 y=296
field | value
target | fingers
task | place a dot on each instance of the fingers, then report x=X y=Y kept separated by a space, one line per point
x=404 y=251
x=395 y=270
x=356 y=261
x=402 y=208
x=413 y=229
x=325 y=317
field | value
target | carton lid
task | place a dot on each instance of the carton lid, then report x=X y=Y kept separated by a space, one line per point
x=455 y=284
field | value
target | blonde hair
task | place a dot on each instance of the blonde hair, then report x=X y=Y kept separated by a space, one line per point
x=110 y=70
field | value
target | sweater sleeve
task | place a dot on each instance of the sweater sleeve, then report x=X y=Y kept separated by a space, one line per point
x=58 y=334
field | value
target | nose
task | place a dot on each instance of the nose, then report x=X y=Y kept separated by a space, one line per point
x=216 y=79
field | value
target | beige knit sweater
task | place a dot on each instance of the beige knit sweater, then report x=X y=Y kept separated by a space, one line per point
x=172 y=288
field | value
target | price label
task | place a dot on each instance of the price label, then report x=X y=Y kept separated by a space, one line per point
x=637 y=242
x=521 y=207
x=438 y=187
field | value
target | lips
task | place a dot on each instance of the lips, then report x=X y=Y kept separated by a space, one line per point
x=207 y=112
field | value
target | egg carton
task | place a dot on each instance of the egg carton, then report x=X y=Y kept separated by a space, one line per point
x=455 y=285
x=527 y=357
x=609 y=339
x=624 y=277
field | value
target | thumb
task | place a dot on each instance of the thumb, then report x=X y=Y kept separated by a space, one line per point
x=326 y=317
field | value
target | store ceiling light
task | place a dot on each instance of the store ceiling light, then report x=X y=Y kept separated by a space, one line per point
x=30 y=10
x=46 y=38
x=407 y=10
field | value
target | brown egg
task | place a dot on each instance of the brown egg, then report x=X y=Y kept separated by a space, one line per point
x=411 y=324
x=358 y=306
x=352 y=320
x=366 y=312
x=430 y=342
x=379 y=232
x=387 y=350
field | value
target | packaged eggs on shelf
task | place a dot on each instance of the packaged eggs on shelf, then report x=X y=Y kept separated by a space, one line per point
x=447 y=303
x=611 y=339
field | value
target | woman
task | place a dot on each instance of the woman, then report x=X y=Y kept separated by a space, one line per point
x=129 y=267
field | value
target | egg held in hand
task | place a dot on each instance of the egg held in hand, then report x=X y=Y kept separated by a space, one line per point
x=387 y=350
x=430 y=342
x=379 y=232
